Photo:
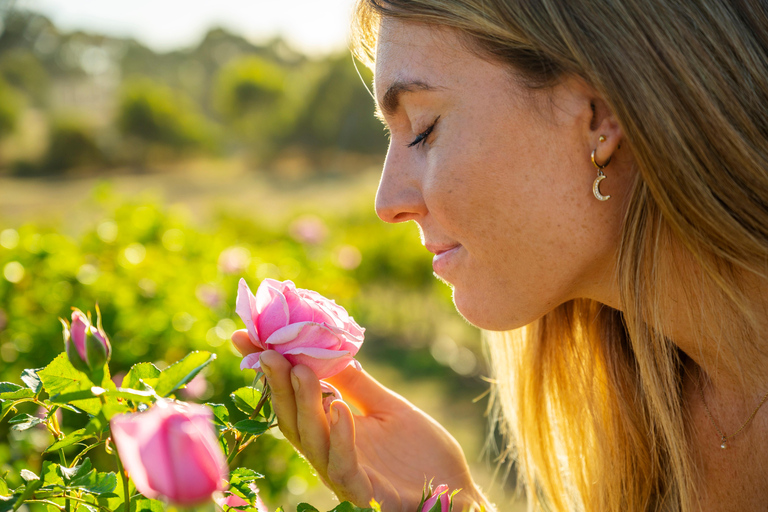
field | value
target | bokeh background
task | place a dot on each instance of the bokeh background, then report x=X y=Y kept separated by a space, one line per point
x=152 y=153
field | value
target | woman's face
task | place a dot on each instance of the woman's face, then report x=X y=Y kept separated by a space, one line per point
x=501 y=185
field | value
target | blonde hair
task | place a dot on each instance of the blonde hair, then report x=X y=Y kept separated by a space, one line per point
x=590 y=396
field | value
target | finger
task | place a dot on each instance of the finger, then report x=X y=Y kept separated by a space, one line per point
x=278 y=372
x=242 y=342
x=347 y=478
x=363 y=391
x=311 y=421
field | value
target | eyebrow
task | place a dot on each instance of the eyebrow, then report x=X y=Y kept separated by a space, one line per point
x=391 y=99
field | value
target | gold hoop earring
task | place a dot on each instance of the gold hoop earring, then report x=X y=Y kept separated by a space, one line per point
x=600 y=177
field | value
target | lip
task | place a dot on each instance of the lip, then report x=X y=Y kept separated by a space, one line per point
x=444 y=255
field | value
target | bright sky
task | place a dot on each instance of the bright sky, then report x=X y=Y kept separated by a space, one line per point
x=313 y=26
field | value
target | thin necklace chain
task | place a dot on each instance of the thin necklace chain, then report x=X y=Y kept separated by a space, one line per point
x=723 y=438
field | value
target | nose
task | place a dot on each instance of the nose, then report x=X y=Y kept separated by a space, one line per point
x=399 y=197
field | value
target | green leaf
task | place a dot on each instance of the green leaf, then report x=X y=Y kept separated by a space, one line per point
x=61 y=377
x=4 y=491
x=11 y=391
x=255 y=427
x=241 y=479
x=95 y=483
x=144 y=371
x=30 y=378
x=23 y=422
x=220 y=415
x=51 y=475
x=181 y=372
x=306 y=507
x=141 y=504
x=68 y=440
x=246 y=399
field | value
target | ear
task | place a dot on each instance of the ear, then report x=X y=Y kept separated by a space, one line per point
x=604 y=125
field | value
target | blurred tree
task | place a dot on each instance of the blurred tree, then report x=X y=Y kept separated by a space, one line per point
x=249 y=94
x=151 y=115
x=22 y=69
x=339 y=113
x=248 y=85
x=9 y=109
x=71 y=144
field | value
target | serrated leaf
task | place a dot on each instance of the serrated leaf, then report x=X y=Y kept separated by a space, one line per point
x=181 y=372
x=50 y=474
x=220 y=414
x=95 y=482
x=141 y=504
x=246 y=399
x=30 y=378
x=61 y=377
x=11 y=391
x=254 y=427
x=144 y=371
x=245 y=475
x=24 y=422
x=70 y=439
x=242 y=478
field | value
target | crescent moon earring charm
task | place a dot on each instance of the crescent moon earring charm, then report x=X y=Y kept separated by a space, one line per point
x=596 y=186
x=600 y=177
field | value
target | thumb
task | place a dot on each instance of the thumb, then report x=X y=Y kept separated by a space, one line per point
x=242 y=342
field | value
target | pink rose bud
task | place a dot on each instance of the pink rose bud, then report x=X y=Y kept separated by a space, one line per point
x=439 y=501
x=87 y=346
x=302 y=325
x=171 y=450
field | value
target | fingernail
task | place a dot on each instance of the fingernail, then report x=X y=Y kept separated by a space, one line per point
x=334 y=415
x=295 y=382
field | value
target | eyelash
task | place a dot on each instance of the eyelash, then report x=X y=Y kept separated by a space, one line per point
x=422 y=137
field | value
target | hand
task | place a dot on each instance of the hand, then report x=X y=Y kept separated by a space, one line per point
x=386 y=453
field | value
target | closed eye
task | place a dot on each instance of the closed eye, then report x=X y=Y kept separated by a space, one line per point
x=422 y=137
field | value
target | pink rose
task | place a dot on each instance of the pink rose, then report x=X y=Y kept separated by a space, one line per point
x=171 y=450
x=87 y=346
x=439 y=494
x=302 y=325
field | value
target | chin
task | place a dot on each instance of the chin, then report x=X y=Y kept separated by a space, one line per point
x=483 y=315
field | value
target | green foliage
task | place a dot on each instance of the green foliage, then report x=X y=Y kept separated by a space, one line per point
x=155 y=115
x=247 y=85
x=71 y=144
x=9 y=108
x=167 y=287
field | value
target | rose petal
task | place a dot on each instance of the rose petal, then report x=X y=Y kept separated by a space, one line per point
x=127 y=435
x=304 y=334
x=299 y=309
x=251 y=361
x=245 y=307
x=272 y=310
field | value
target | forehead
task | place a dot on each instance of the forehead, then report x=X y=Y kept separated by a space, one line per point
x=407 y=51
